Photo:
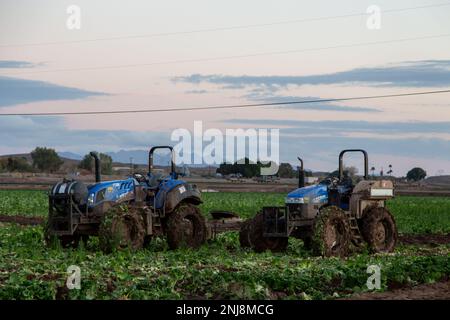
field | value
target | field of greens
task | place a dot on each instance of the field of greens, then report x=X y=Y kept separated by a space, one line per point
x=220 y=269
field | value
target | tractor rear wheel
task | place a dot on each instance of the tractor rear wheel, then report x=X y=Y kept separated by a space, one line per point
x=259 y=242
x=244 y=234
x=331 y=233
x=122 y=227
x=379 y=230
x=186 y=227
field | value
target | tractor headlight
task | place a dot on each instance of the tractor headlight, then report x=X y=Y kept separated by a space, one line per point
x=91 y=199
x=381 y=192
x=295 y=200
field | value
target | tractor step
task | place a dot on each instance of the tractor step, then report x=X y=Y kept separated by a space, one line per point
x=356 y=234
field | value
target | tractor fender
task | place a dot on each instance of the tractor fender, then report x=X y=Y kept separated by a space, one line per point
x=182 y=193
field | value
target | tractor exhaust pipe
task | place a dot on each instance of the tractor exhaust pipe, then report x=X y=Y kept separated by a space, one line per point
x=97 y=166
x=301 y=174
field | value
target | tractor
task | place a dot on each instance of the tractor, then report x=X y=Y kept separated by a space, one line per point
x=127 y=213
x=333 y=217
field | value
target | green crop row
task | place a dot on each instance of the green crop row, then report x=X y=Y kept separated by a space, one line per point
x=413 y=214
x=221 y=269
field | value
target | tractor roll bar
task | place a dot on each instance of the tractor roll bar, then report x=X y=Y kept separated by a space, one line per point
x=150 y=158
x=341 y=163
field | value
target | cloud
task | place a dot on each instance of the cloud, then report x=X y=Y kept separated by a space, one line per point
x=425 y=73
x=196 y=91
x=322 y=140
x=25 y=133
x=15 y=91
x=337 y=127
x=15 y=64
x=318 y=142
x=323 y=106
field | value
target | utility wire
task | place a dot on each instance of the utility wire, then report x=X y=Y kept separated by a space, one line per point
x=228 y=106
x=238 y=27
x=361 y=44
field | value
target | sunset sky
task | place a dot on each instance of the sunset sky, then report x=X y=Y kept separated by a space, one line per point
x=180 y=54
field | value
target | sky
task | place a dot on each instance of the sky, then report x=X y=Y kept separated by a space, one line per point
x=179 y=54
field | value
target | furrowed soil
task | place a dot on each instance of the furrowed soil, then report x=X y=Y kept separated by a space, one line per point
x=23 y=220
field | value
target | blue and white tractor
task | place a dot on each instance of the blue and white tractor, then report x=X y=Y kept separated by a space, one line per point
x=129 y=212
x=332 y=217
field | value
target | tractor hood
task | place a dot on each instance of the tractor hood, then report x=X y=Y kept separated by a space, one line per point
x=317 y=193
x=116 y=191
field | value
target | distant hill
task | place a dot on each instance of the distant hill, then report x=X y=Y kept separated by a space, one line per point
x=123 y=156
x=438 y=180
x=70 y=155
x=141 y=157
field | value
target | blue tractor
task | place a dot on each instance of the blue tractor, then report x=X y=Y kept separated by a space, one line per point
x=129 y=212
x=332 y=217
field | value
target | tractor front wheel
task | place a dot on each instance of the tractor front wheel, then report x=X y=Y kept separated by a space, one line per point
x=379 y=230
x=259 y=242
x=122 y=227
x=331 y=233
x=186 y=227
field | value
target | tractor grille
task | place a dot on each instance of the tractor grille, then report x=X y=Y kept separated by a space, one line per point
x=275 y=221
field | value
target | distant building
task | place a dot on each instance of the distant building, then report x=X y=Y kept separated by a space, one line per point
x=311 y=180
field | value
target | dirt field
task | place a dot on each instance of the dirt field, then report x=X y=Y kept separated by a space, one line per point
x=434 y=291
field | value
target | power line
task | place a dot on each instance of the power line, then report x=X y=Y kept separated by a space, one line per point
x=361 y=44
x=238 y=27
x=228 y=106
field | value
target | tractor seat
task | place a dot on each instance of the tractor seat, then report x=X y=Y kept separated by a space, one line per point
x=154 y=180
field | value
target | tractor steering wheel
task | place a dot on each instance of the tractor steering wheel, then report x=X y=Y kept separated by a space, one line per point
x=139 y=177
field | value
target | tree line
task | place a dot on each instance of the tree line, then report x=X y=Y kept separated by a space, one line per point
x=47 y=160
x=249 y=169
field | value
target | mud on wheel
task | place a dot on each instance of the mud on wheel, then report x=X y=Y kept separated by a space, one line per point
x=186 y=227
x=259 y=242
x=122 y=227
x=379 y=230
x=331 y=233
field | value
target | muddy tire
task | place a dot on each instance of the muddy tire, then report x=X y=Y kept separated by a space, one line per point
x=244 y=234
x=121 y=228
x=186 y=227
x=379 y=230
x=331 y=233
x=259 y=243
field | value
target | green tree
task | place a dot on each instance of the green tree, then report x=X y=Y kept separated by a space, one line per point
x=285 y=170
x=46 y=159
x=105 y=163
x=416 y=174
x=245 y=167
x=16 y=164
